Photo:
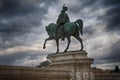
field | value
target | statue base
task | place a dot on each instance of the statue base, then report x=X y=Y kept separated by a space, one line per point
x=75 y=61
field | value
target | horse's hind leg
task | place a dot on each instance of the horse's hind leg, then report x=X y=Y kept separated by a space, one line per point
x=80 y=40
x=68 y=38
x=57 y=43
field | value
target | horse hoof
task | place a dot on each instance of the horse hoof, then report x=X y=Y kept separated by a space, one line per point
x=44 y=47
x=81 y=49
x=56 y=52
x=65 y=51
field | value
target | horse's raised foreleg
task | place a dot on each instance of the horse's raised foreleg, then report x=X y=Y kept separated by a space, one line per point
x=57 y=43
x=80 y=40
x=68 y=38
x=49 y=38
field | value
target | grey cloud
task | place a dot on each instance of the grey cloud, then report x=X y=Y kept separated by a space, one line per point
x=111 y=2
x=89 y=30
x=112 y=56
x=10 y=59
x=113 y=19
x=115 y=51
x=16 y=31
x=112 y=15
x=11 y=7
x=82 y=4
x=19 y=19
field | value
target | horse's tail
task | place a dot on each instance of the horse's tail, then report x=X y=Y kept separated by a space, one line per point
x=80 y=23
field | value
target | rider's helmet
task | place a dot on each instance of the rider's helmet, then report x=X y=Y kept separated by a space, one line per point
x=64 y=7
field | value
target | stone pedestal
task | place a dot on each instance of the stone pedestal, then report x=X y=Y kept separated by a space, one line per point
x=75 y=61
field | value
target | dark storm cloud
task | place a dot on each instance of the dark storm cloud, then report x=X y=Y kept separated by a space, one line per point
x=115 y=51
x=8 y=59
x=82 y=4
x=19 y=18
x=112 y=56
x=11 y=7
x=111 y=20
x=17 y=26
x=16 y=30
x=88 y=30
x=111 y=2
x=87 y=11
x=112 y=15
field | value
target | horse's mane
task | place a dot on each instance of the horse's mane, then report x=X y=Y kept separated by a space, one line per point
x=51 y=29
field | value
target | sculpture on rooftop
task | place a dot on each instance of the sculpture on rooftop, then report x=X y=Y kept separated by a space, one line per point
x=64 y=29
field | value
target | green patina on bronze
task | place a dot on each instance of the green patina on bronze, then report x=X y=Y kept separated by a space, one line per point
x=64 y=29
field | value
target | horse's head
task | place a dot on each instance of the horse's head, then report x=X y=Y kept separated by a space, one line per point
x=47 y=29
x=51 y=29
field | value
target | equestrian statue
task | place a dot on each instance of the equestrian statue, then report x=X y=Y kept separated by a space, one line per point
x=64 y=29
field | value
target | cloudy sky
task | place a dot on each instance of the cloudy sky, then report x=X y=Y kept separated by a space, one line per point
x=22 y=30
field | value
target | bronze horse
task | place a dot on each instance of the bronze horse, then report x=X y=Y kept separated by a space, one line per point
x=70 y=29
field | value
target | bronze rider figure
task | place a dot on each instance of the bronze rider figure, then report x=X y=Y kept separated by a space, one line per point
x=62 y=19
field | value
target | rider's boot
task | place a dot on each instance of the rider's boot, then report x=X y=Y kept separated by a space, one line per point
x=56 y=33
